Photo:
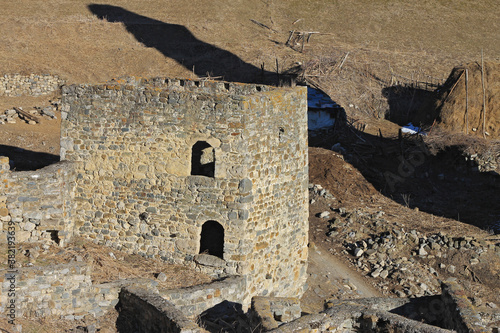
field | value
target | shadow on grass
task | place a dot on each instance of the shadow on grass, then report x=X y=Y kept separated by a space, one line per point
x=403 y=169
x=405 y=103
x=178 y=43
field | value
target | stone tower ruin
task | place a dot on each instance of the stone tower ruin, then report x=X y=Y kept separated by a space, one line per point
x=181 y=169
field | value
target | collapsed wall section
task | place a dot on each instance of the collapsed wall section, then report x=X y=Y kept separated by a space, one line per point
x=61 y=290
x=144 y=311
x=37 y=205
x=29 y=85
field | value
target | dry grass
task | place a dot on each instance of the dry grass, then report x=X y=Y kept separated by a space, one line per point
x=63 y=37
x=109 y=264
x=484 y=151
x=439 y=140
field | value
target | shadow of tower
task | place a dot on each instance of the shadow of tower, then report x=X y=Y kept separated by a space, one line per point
x=178 y=43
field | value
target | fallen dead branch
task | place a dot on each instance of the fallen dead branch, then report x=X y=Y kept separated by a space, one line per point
x=263 y=25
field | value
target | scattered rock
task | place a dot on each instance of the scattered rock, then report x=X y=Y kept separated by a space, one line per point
x=161 y=277
x=491 y=305
x=358 y=252
x=324 y=214
x=377 y=272
x=422 y=252
x=48 y=111
x=474 y=261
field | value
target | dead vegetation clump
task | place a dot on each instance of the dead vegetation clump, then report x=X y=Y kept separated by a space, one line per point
x=385 y=88
x=108 y=264
x=348 y=80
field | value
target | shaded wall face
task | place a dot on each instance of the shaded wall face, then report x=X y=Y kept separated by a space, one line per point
x=135 y=188
x=278 y=224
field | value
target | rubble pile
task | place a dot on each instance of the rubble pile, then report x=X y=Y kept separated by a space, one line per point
x=12 y=116
x=401 y=262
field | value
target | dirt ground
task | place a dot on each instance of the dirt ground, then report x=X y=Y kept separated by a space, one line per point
x=28 y=146
x=363 y=53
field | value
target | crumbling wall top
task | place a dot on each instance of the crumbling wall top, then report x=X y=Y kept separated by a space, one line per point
x=188 y=85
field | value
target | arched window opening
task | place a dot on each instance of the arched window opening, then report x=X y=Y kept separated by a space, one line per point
x=212 y=239
x=202 y=159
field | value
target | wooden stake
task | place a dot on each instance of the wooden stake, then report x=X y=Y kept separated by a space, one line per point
x=278 y=70
x=466 y=101
x=290 y=38
x=484 y=95
x=451 y=91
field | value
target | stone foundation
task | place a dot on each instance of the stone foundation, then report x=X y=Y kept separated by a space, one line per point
x=450 y=312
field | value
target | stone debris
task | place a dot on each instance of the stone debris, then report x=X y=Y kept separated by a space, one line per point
x=324 y=215
x=405 y=259
x=358 y=252
x=11 y=116
x=318 y=190
x=380 y=257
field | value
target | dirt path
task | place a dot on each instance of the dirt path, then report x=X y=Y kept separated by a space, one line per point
x=330 y=278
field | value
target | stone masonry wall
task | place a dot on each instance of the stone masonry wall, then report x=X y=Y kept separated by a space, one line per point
x=451 y=311
x=457 y=311
x=192 y=301
x=135 y=190
x=29 y=85
x=278 y=222
x=132 y=141
x=64 y=290
x=40 y=203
